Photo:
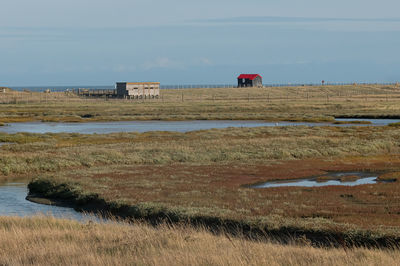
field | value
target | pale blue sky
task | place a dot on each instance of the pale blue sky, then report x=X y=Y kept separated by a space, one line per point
x=97 y=42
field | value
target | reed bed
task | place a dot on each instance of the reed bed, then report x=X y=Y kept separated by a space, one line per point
x=49 y=241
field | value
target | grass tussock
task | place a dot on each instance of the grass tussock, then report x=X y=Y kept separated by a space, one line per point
x=47 y=241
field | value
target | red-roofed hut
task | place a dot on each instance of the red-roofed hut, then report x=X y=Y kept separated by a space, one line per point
x=249 y=80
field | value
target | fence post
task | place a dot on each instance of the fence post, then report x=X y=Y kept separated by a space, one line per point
x=182 y=96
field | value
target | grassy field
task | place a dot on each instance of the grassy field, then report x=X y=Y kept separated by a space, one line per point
x=47 y=241
x=293 y=103
x=202 y=177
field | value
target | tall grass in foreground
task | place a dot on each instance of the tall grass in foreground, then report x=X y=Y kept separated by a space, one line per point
x=49 y=241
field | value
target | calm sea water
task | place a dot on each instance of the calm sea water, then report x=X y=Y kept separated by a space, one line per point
x=64 y=88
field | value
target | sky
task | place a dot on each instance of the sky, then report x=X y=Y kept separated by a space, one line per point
x=98 y=42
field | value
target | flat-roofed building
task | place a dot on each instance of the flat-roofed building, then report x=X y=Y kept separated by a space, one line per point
x=138 y=90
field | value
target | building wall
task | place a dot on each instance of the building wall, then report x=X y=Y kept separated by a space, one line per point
x=244 y=83
x=142 y=90
x=121 y=89
x=257 y=82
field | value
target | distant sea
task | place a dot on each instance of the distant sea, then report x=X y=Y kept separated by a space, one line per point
x=62 y=88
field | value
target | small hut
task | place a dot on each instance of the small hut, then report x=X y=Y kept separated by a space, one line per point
x=249 y=80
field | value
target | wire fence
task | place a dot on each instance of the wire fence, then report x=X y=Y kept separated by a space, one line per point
x=211 y=86
x=198 y=86
x=305 y=94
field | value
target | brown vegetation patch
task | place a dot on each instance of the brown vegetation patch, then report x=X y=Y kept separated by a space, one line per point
x=349 y=178
x=389 y=177
x=217 y=190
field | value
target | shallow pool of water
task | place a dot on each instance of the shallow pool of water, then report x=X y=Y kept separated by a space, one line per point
x=333 y=179
x=145 y=126
x=13 y=203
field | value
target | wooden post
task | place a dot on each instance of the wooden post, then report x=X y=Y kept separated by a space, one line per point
x=182 y=96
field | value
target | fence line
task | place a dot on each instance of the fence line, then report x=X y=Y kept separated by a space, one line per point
x=210 y=86
x=206 y=86
x=311 y=96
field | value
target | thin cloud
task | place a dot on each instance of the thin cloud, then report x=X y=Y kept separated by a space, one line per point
x=308 y=23
x=162 y=62
x=272 y=19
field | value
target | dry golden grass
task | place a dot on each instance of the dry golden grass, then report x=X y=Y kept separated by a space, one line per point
x=48 y=241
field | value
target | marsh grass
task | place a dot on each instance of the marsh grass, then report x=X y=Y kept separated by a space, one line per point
x=49 y=241
x=349 y=178
x=35 y=153
x=202 y=172
x=391 y=176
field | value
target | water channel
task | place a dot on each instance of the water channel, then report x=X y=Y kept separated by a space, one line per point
x=179 y=126
x=13 y=203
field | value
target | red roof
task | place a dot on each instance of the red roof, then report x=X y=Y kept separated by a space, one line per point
x=249 y=76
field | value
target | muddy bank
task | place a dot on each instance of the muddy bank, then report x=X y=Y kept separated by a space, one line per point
x=367 y=116
x=48 y=192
